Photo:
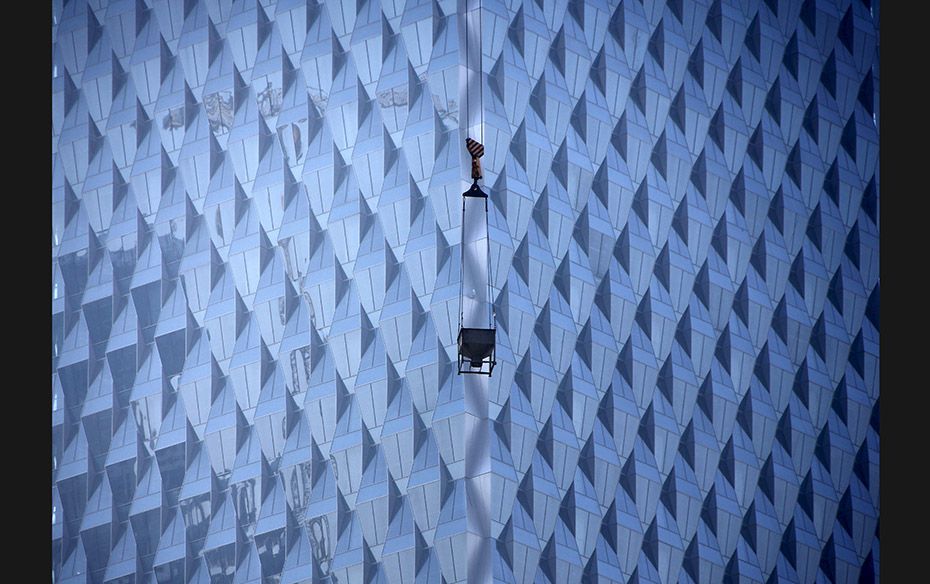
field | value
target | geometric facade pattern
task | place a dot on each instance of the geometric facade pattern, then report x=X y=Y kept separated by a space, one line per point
x=256 y=217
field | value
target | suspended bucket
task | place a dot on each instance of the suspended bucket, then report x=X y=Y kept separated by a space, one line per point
x=477 y=333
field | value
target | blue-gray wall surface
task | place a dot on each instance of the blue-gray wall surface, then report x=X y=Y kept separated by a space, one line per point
x=256 y=270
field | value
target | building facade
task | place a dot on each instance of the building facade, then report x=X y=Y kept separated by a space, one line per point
x=256 y=263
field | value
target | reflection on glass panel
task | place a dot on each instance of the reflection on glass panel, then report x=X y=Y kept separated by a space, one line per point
x=256 y=271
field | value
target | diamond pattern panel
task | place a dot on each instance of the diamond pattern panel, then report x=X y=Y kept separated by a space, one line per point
x=256 y=267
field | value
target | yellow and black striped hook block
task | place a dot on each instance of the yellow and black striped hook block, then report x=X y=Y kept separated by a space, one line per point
x=476 y=149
